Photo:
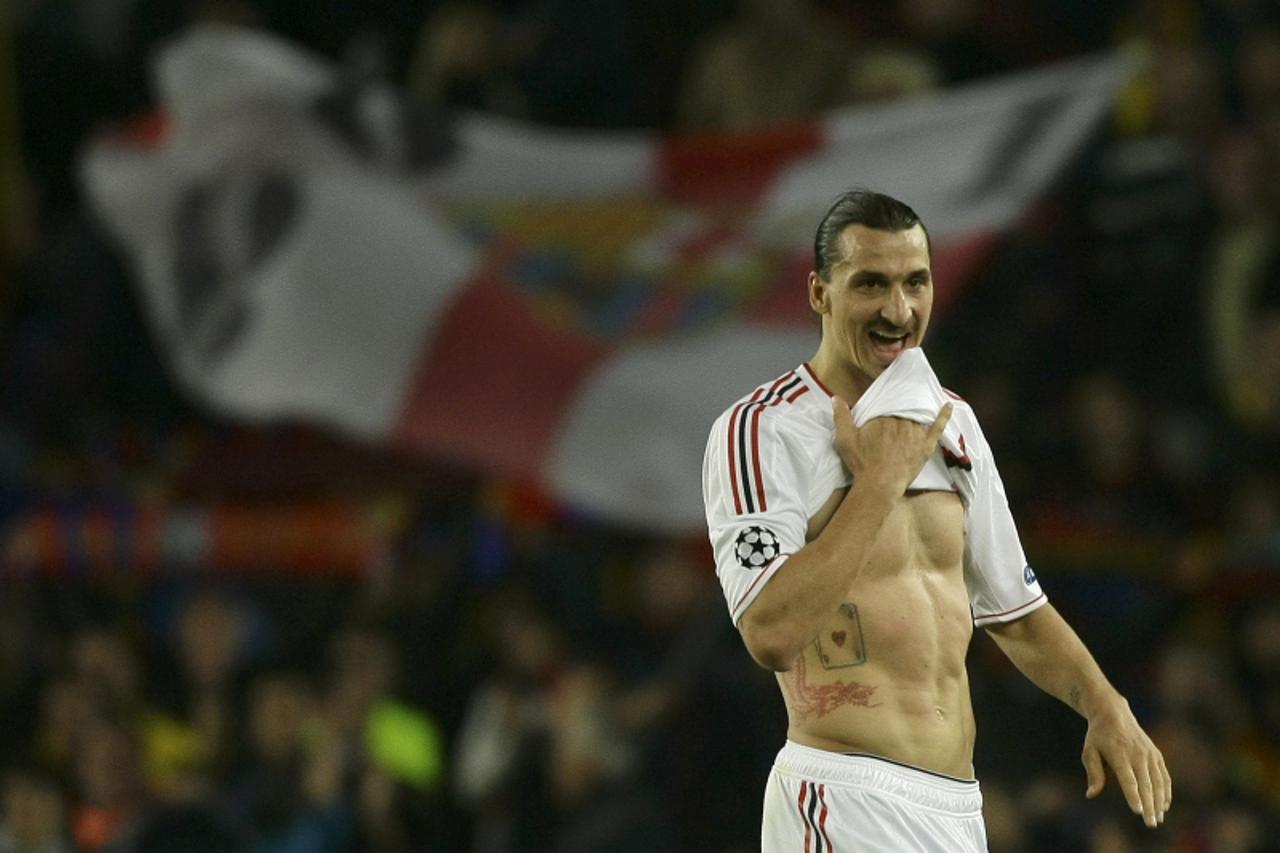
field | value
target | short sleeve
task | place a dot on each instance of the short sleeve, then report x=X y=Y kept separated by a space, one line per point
x=753 y=486
x=1001 y=584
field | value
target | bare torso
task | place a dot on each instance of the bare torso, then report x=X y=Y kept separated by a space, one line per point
x=886 y=674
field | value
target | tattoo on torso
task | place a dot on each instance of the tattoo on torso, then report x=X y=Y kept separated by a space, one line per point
x=837 y=647
x=818 y=700
x=842 y=645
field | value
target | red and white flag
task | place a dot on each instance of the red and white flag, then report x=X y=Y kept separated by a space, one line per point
x=570 y=307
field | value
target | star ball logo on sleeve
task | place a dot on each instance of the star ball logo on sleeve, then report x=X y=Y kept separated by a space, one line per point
x=755 y=547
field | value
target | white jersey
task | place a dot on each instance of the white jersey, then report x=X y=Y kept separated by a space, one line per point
x=771 y=464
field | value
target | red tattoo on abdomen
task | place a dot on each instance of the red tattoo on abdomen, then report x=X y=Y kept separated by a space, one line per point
x=818 y=700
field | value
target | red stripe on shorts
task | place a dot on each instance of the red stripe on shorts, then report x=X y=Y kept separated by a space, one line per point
x=808 y=830
x=822 y=818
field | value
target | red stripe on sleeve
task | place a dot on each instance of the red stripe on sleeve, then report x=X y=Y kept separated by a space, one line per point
x=755 y=458
x=734 y=447
x=755 y=435
x=733 y=460
x=1010 y=610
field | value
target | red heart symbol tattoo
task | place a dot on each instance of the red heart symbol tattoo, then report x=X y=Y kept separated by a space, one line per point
x=839 y=637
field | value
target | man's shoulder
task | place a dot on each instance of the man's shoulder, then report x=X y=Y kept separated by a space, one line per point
x=789 y=397
x=960 y=406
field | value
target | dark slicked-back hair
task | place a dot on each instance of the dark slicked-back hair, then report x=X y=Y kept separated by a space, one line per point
x=858 y=207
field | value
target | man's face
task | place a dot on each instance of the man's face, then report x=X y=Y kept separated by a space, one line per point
x=877 y=301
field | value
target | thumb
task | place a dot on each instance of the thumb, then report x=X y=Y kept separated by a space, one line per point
x=1097 y=777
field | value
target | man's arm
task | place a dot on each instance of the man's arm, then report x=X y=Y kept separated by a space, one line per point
x=884 y=457
x=1045 y=648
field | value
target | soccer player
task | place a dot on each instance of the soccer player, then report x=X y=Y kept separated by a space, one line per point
x=857 y=548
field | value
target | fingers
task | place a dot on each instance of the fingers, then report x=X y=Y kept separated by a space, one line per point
x=1168 y=783
x=892 y=449
x=842 y=417
x=1162 y=786
x=1094 y=773
x=1128 y=781
x=939 y=424
x=1146 y=794
x=840 y=409
x=1137 y=764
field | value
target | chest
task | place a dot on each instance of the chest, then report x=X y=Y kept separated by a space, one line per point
x=925 y=529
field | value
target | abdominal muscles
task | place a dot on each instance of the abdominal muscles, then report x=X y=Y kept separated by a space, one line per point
x=886 y=674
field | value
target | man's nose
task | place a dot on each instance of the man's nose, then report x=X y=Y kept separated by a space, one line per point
x=895 y=308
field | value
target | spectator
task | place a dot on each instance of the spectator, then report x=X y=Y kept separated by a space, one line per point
x=573 y=63
x=65 y=714
x=540 y=760
x=1253 y=524
x=1258 y=70
x=692 y=696
x=890 y=73
x=193 y=739
x=1239 y=302
x=33 y=816
x=1006 y=821
x=390 y=749
x=392 y=817
x=23 y=649
x=107 y=669
x=455 y=63
x=1144 y=213
x=268 y=797
x=951 y=34
x=110 y=794
x=1108 y=480
x=1195 y=683
x=777 y=61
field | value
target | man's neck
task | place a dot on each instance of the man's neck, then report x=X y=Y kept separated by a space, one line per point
x=847 y=383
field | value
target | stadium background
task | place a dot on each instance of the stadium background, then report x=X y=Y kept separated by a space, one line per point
x=336 y=647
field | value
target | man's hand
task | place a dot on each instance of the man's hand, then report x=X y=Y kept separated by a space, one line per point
x=1116 y=740
x=1048 y=652
x=887 y=451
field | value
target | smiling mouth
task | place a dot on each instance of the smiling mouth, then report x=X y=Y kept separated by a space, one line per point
x=888 y=346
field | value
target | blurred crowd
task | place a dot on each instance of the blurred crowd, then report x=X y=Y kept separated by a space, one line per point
x=506 y=674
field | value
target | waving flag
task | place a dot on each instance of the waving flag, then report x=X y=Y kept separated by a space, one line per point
x=575 y=308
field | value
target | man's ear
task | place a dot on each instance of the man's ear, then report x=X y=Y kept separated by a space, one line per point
x=819 y=299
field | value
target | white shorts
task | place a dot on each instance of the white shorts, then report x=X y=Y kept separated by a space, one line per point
x=828 y=802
